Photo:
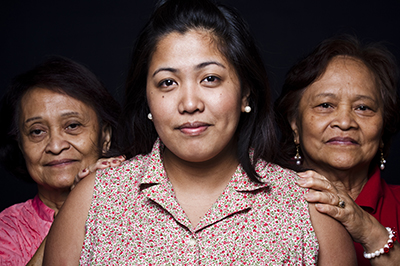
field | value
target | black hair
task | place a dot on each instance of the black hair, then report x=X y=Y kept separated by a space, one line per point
x=377 y=58
x=234 y=41
x=60 y=75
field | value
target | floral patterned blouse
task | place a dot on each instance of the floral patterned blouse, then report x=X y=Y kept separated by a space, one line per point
x=135 y=219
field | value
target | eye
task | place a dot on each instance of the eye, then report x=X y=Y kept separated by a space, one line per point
x=325 y=105
x=166 y=83
x=211 y=81
x=363 y=108
x=73 y=126
x=36 y=132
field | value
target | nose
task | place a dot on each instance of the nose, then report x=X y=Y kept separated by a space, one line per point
x=344 y=119
x=190 y=99
x=57 y=143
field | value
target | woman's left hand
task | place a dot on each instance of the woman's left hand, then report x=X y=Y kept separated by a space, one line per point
x=335 y=202
x=100 y=164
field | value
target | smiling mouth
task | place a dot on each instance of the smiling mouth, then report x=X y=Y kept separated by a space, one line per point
x=194 y=128
x=344 y=141
x=60 y=162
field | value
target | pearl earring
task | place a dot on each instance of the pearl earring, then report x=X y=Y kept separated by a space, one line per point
x=247 y=109
x=297 y=157
x=383 y=161
x=150 y=116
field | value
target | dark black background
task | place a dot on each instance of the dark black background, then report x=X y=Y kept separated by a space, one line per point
x=100 y=35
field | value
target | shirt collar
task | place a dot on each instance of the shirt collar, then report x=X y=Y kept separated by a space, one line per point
x=44 y=212
x=155 y=172
x=371 y=192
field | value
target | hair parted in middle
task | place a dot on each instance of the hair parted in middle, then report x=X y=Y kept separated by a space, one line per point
x=234 y=41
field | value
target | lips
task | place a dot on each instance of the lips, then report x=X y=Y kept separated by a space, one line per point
x=60 y=162
x=193 y=128
x=342 y=140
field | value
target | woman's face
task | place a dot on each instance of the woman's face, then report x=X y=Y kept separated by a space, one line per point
x=194 y=96
x=59 y=136
x=340 y=118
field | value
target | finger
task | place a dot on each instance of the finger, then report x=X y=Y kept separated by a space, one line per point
x=81 y=174
x=100 y=164
x=311 y=173
x=333 y=211
x=324 y=197
x=116 y=161
x=317 y=184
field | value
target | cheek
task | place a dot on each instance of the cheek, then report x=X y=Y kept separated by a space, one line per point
x=88 y=145
x=31 y=151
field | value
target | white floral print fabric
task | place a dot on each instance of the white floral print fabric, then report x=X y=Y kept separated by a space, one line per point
x=135 y=219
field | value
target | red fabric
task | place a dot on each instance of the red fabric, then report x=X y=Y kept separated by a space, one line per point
x=382 y=201
x=23 y=227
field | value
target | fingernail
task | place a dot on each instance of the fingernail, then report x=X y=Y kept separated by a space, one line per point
x=302 y=174
x=302 y=182
x=104 y=163
x=308 y=196
x=121 y=157
x=84 y=170
x=114 y=161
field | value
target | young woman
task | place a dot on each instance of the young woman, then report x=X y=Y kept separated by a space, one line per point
x=199 y=188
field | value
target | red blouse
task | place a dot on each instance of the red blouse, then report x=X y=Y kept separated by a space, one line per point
x=382 y=201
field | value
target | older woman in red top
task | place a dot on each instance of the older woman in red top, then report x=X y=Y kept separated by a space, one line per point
x=338 y=112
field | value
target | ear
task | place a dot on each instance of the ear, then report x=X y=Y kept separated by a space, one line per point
x=106 y=134
x=245 y=100
x=381 y=144
x=295 y=129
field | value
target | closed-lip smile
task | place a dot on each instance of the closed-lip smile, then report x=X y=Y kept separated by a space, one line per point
x=193 y=128
x=60 y=162
x=342 y=140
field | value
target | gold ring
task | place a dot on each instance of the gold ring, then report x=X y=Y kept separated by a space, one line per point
x=341 y=203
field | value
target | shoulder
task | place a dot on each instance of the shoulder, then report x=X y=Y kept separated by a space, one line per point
x=279 y=178
x=16 y=212
x=395 y=190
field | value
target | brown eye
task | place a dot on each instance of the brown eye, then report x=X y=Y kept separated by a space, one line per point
x=211 y=81
x=167 y=82
x=325 y=105
x=36 y=132
x=73 y=126
x=363 y=108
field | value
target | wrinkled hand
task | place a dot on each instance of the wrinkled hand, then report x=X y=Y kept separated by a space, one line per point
x=326 y=195
x=100 y=164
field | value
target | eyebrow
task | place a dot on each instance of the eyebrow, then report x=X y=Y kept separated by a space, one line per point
x=62 y=115
x=358 y=96
x=199 y=66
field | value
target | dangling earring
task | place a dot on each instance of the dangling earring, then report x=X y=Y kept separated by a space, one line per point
x=150 y=116
x=247 y=109
x=383 y=161
x=297 y=157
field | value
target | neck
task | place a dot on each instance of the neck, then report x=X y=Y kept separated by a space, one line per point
x=206 y=174
x=351 y=180
x=197 y=186
x=53 y=199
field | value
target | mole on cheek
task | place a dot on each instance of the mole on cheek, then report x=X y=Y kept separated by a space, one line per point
x=163 y=96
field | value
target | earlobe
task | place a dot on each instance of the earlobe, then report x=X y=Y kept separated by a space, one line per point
x=106 y=139
x=245 y=103
x=295 y=130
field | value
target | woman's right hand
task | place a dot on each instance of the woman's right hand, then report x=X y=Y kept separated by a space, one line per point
x=100 y=164
x=362 y=226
